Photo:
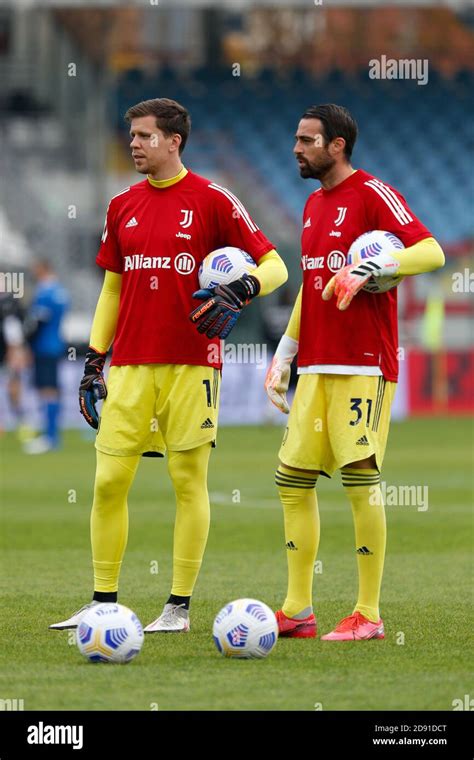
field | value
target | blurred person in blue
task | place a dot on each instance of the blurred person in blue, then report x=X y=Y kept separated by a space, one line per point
x=43 y=327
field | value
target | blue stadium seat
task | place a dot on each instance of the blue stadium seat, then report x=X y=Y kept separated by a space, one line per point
x=409 y=134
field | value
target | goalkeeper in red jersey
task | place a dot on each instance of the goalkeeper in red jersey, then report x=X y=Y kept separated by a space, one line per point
x=162 y=391
x=346 y=340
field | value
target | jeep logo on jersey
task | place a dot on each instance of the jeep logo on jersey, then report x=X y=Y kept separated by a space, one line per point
x=184 y=263
x=341 y=216
x=336 y=261
x=187 y=218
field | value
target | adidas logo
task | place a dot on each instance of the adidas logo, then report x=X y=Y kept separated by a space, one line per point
x=363 y=550
x=362 y=441
x=132 y=222
x=207 y=424
x=290 y=545
x=307 y=223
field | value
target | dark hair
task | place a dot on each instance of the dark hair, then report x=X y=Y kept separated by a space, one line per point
x=337 y=122
x=171 y=117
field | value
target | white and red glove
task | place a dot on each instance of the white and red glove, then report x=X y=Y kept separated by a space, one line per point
x=277 y=378
x=346 y=283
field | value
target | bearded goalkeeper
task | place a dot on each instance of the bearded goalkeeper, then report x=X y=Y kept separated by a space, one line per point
x=346 y=340
x=162 y=392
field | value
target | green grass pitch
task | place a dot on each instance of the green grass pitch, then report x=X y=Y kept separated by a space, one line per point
x=423 y=663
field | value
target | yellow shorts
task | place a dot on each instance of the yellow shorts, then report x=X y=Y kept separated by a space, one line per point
x=154 y=407
x=335 y=420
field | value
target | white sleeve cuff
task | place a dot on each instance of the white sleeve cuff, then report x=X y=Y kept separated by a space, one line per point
x=287 y=349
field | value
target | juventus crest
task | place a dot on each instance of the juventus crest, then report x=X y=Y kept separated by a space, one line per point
x=341 y=216
x=188 y=218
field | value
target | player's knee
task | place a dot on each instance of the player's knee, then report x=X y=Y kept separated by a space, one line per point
x=108 y=484
x=185 y=479
x=188 y=471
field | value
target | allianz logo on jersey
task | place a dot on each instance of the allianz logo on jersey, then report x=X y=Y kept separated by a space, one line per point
x=312 y=262
x=184 y=263
x=335 y=261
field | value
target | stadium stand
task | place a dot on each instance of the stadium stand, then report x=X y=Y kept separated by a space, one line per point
x=416 y=154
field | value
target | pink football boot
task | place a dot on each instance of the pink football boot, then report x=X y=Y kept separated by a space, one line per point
x=355 y=627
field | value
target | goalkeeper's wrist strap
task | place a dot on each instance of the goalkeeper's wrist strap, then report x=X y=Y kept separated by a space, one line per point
x=246 y=288
x=94 y=362
x=286 y=349
x=382 y=265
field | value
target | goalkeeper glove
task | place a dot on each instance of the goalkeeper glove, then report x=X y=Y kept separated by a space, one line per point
x=92 y=387
x=346 y=283
x=222 y=306
x=277 y=379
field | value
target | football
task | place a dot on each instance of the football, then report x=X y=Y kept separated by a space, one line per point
x=245 y=629
x=110 y=633
x=224 y=265
x=371 y=244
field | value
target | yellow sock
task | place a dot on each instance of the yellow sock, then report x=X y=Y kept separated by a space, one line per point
x=188 y=472
x=363 y=490
x=109 y=517
x=301 y=517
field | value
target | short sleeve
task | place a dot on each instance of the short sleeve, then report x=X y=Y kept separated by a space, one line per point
x=234 y=225
x=388 y=210
x=109 y=256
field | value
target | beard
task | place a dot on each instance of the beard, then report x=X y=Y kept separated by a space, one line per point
x=317 y=171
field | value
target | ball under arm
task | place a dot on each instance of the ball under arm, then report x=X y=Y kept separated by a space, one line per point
x=424 y=256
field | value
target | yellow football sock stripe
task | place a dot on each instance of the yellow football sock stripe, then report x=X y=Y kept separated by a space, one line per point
x=109 y=517
x=301 y=518
x=188 y=472
x=363 y=490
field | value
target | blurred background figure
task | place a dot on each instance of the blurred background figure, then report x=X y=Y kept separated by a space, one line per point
x=13 y=352
x=43 y=325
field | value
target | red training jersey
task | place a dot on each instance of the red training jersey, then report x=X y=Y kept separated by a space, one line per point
x=156 y=239
x=366 y=335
